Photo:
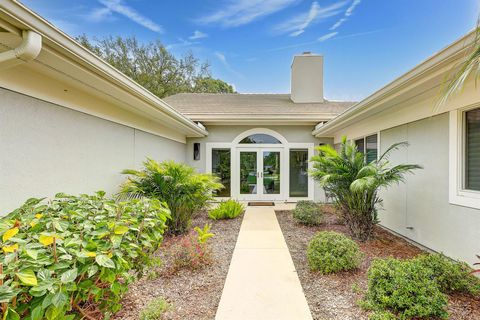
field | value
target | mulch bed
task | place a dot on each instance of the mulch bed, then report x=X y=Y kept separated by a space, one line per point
x=335 y=296
x=193 y=294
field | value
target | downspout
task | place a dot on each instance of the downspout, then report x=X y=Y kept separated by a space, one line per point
x=27 y=50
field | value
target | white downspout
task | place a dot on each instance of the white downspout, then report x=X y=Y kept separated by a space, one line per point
x=27 y=50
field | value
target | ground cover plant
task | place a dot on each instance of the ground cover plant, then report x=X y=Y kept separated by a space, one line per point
x=75 y=255
x=155 y=309
x=330 y=252
x=354 y=184
x=308 y=213
x=228 y=209
x=184 y=190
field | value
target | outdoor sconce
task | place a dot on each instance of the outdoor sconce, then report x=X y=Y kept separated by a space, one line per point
x=196 y=151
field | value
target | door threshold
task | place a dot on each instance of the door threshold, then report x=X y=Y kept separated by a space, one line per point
x=261 y=204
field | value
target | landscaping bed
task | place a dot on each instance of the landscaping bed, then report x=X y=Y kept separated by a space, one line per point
x=192 y=294
x=335 y=296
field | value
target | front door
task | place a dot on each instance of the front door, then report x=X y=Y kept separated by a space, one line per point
x=260 y=173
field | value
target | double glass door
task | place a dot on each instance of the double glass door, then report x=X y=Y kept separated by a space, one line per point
x=260 y=173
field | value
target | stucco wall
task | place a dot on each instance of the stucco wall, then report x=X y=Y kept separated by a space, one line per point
x=297 y=134
x=46 y=148
x=422 y=202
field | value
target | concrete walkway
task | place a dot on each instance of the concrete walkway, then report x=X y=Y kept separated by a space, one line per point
x=262 y=282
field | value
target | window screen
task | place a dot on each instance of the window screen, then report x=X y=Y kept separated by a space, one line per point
x=472 y=150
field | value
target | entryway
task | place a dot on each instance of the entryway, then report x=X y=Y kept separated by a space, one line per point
x=261 y=165
x=260 y=174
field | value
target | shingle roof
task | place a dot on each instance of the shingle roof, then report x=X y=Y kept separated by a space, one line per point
x=197 y=106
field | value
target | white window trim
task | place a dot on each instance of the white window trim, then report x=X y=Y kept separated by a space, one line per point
x=458 y=195
x=235 y=146
x=208 y=161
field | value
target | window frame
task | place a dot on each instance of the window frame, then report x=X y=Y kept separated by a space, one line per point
x=364 y=138
x=458 y=194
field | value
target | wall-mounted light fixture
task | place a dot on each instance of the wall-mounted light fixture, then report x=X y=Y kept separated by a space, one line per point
x=196 y=151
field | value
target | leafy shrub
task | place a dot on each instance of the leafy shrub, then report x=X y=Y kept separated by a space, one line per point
x=451 y=276
x=308 y=213
x=74 y=251
x=330 y=252
x=354 y=183
x=404 y=288
x=227 y=210
x=155 y=309
x=382 y=315
x=193 y=251
x=183 y=189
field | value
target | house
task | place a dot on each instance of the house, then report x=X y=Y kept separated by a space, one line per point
x=69 y=122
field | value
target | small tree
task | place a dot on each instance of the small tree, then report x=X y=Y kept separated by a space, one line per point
x=354 y=183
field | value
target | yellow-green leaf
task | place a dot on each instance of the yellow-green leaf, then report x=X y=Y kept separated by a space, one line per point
x=27 y=277
x=120 y=229
x=9 y=234
x=9 y=249
x=45 y=240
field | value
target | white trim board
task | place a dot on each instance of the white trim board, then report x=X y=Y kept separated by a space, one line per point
x=457 y=193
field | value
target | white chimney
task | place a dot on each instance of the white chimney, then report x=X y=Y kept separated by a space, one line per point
x=307 y=78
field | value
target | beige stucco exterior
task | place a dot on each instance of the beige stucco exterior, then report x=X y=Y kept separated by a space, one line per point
x=47 y=148
x=427 y=208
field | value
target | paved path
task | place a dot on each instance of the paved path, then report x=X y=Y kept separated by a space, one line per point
x=262 y=282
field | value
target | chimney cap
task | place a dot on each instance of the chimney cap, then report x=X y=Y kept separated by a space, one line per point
x=307 y=52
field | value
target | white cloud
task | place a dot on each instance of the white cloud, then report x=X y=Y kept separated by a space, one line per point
x=198 y=35
x=220 y=56
x=181 y=43
x=241 y=12
x=119 y=7
x=223 y=59
x=297 y=25
x=99 y=14
x=350 y=9
x=348 y=13
x=327 y=36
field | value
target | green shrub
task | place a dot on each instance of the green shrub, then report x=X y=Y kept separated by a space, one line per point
x=382 y=315
x=155 y=309
x=308 y=213
x=451 y=276
x=184 y=190
x=405 y=288
x=226 y=210
x=330 y=252
x=72 y=251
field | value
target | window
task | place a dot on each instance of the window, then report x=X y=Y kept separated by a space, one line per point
x=221 y=168
x=260 y=138
x=299 y=173
x=464 y=157
x=472 y=150
x=368 y=146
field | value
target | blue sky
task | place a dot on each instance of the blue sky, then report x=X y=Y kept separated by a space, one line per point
x=250 y=43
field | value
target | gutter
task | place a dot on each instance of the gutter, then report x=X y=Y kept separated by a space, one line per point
x=27 y=50
x=28 y=19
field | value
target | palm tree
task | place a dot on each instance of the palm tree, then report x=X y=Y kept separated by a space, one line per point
x=181 y=187
x=354 y=183
x=468 y=67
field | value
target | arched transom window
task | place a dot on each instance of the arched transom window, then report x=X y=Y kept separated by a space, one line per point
x=260 y=138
